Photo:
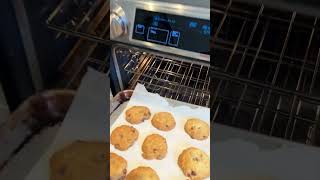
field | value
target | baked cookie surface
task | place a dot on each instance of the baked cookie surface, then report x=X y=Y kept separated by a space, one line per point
x=123 y=137
x=154 y=147
x=194 y=163
x=118 y=167
x=197 y=129
x=163 y=121
x=142 y=173
x=137 y=114
x=80 y=161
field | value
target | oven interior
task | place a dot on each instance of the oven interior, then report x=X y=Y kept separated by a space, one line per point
x=172 y=77
x=265 y=65
x=88 y=22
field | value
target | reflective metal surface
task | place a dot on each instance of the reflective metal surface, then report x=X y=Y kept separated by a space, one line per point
x=129 y=7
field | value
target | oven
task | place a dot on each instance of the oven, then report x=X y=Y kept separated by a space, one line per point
x=163 y=45
x=265 y=66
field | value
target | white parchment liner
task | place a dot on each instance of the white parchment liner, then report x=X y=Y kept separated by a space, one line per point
x=177 y=139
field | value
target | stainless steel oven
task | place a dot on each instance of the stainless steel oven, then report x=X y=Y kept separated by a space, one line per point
x=266 y=68
x=164 y=45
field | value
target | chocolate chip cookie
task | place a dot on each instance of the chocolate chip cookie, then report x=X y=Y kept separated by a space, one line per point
x=143 y=173
x=154 y=147
x=163 y=121
x=118 y=167
x=80 y=161
x=137 y=114
x=197 y=129
x=123 y=137
x=194 y=163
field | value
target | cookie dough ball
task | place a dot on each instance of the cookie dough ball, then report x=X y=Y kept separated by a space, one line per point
x=163 y=121
x=197 y=129
x=143 y=173
x=118 y=167
x=137 y=114
x=80 y=160
x=154 y=147
x=123 y=137
x=194 y=163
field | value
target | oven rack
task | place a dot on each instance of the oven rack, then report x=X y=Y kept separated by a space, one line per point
x=172 y=78
x=88 y=19
x=266 y=70
x=74 y=67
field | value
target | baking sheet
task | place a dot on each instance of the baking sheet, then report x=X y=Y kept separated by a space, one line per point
x=85 y=120
x=177 y=139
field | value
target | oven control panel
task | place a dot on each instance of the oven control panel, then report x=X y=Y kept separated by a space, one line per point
x=167 y=27
x=191 y=34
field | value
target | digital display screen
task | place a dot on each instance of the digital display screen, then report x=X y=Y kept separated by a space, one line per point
x=191 y=34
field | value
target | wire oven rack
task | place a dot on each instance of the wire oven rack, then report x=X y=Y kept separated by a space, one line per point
x=82 y=18
x=173 y=78
x=265 y=65
x=75 y=65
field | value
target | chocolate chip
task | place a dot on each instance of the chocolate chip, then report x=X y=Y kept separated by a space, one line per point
x=196 y=159
x=155 y=150
x=124 y=171
x=193 y=173
x=121 y=136
x=167 y=125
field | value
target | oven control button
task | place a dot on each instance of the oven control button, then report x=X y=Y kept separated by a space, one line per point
x=118 y=25
x=174 y=38
x=139 y=29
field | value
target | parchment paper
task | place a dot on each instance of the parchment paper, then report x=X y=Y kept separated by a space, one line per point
x=177 y=139
x=85 y=120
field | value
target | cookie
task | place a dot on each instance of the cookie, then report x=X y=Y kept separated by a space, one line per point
x=163 y=121
x=194 y=163
x=137 y=114
x=123 y=137
x=118 y=167
x=80 y=161
x=197 y=129
x=143 y=173
x=154 y=147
